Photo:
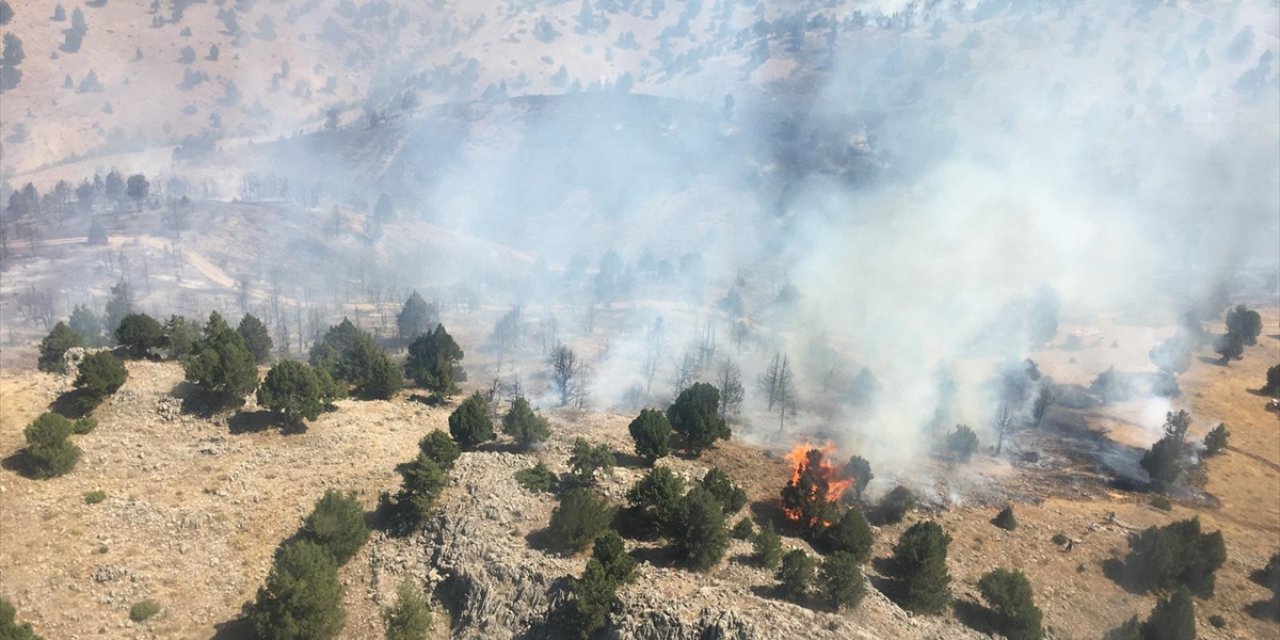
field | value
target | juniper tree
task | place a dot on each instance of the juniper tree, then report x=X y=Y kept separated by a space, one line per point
x=1005 y=519
x=410 y=618
x=302 y=597
x=1173 y=618
x=433 y=355
x=256 y=338
x=291 y=390
x=525 y=426
x=730 y=496
x=336 y=523
x=962 y=442
x=808 y=495
x=579 y=518
x=1246 y=323
x=422 y=480
x=222 y=366
x=694 y=415
x=440 y=448
x=139 y=333
x=850 y=534
x=656 y=498
x=49 y=453
x=766 y=547
x=701 y=536
x=1216 y=440
x=841 y=580
x=101 y=374
x=858 y=470
x=469 y=424
x=1178 y=554
x=1009 y=594
x=54 y=347
x=795 y=575
x=587 y=458
x=1272 y=385
x=919 y=568
x=1166 y=459
x=652 y=434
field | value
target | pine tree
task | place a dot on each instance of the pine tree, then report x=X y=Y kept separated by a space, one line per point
x=469 y=424
x=291 y=390
x=222 y=366
x=302 y=598
x=416 y=317
x=850 y=534
x=656 y=499
x=49 y=453
x=695 y=416
x=433 y=356
x=652 y=434
x=766 y=547
x=139 y=333
x=701 y=537
x=256 y=338
x=525 y=426
x=581 y=516
x=336 y=523
x=730 y=496
x=795 y=575
x=919 y=568
x=1010 y=596
x=842 y=581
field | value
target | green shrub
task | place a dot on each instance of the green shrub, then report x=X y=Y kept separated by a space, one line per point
x=433 y=356
x=1176 y=555
x=1167 y=458
x=962 y=442
x=1173 y=618
x=49 y=453
x=138 y=334
x=1216 y=440
x=85 y=323
x=469 y=424
x=656 y=498
x=742 y=530
x=84 y=425
x=383 y=379
x=1272 y=385
x=895 y=504
x=94 y=497
x=795 y=574
x=694 y=414
x=1014 y=613
x=1005 y=519
x=766 y=547
x=850 y=534
x=336 y=523
x=222 y=365
x=593 y=595
x=1217 y=621
x=579 y=518
x=841 y=580
x=610 y=551
x=587 y=458
x=423 y=480
x=9 y=627
x=302 y=598
x=1060 y=539
x=919 y=568
x=858 y=470
x=410 y=618
x=730 y=496
x=537 y=478
x=143 y=610
x=441 y=448
x=700 y=534
x=525 y=426
x=652 y=434
x=101 y=374
x=1162 y=503
x=292 y=391
x=54 y=347
x=415 y=317
x=180 y=337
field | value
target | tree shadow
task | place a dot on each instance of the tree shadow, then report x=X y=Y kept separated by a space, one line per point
x=542 y=540
x=663 y=556
x=1264 y=609
x=19 y=463
x=432 y=400
x=1217 y=362
x=975 y=616
x=235 y=629
x=630 y=460
x=494 y=446
x=1118 y=572
x=76 y=403
x=256 y=421
x=769 y=511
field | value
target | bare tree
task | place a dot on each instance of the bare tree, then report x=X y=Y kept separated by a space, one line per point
x=655 y=341
x=564 y=367
x=729 y=381
x=778 y=385
x=706 y=346
x=686 y=373
x=1004 y=426
x=580 y=386
x=741 y=332
x=1044 y=400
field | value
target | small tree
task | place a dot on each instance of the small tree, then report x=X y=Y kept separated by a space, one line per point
x=742 y=530
x=410 y=618
x=1175 y=555
x=919 y=568
x=438 y=446
x=416 y=317
x=180 y=337
x=139 y=333
x=1009 y=594
x=336 y=523
x=694 y=415
x=1246 y=323
x=610 y=551
x=138 y=189
x=49 y=453
x=101 y=374
x=652 y=434
x=841 y=580
x=86 y=325
x=302 y=598
x=1230 y=346
x=433 y=355
x=1005 y=519
x=422 y=481
x=807 y=498
x=850 y=534
x=118 y=306
x=222 y=366
x=525 y=426
x=1215 y=441
x=593 y=595
x=587 y=458
x=291 y=390
x=766 y=547
x=795 y=574
x=579 y=518
x=256 y=338
x=383 y=379
x=1272 y=385
x=656 y=498
x=564 y=368
x=537 y=478
x=962 y=442
x=54 y=347
x=858 y=470
x=1173 y=618
x=730 y=496
x=469 y=424
x=701 y=536
x=1166 y=460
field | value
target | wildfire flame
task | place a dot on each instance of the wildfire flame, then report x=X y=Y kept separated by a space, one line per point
x=828 y=472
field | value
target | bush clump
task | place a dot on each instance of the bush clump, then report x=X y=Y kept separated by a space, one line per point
x=766 y=547
x=1167 y=458
x=1176 y=555
x=850 y=534
x=49 y=453
x=587 y=458
x=893 y=506
x=701 y=536
x=101 y=374
x=795 y=574
x=1013 y=611
x=962 y=443
x=1005 y=519
x=654 y=500
x=1162 y=503
x=695 y=416
x=410 y=618
x=579 y=518
x=1215 y=441
x=94 y=497
x=842 y=581
x=292 y=390
x=742 y=530
x=730 y=496
x=138 y=334
x=469 y=424
x=9 y=627
x=595 y=591
x=537 y=479
x=352 y=359
x=337 y=525
x=143 y=610
x=525 y=426
x=222 y=366
x=257 y=340
x=433 y=357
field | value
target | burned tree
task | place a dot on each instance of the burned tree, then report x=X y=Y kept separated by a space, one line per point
x=570 y=376
x=1004 y=427
x=778 y=386
x=729 y=380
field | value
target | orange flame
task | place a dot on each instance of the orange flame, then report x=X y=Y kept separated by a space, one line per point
x=837 y=482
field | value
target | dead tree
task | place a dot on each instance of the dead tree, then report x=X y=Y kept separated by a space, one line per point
x=778 y=385
x=564 y=367
x=729 y=380
x=1004 y=426
x=686 y=373
x=655 y=341
x=1044 y=400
